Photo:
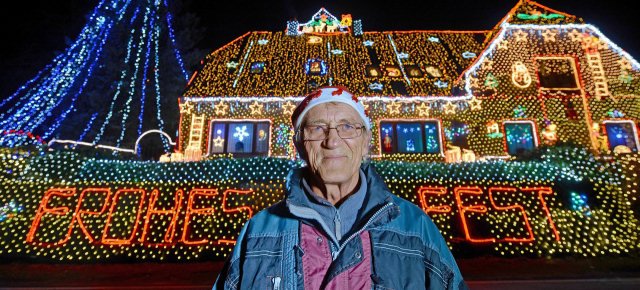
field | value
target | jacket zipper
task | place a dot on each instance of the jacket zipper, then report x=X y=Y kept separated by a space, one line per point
x=335 y=254
x=338 y=226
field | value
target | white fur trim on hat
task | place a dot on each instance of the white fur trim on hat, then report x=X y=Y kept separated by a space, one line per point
x=326 y=95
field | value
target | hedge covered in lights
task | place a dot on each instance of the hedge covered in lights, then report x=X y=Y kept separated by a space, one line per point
x=67 y=207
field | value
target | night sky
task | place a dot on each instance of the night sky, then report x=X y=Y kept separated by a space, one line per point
x=44 y=28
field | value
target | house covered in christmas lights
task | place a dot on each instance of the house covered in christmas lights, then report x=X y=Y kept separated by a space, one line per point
x=537 y=78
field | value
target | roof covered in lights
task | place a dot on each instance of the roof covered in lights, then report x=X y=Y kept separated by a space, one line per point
x=331 y=51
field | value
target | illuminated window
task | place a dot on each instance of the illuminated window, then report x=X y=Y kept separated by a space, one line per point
x=457 y=134
x=315 y=67
x=257 y=67
x=557 y=73
x=413 y=71
x=393 y=71
x=622 y=134
x=410 y=137
x=372 y=71
x=241 y=138
x=520 y=136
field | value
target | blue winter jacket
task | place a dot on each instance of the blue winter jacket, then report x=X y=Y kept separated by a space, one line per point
x=404 y=248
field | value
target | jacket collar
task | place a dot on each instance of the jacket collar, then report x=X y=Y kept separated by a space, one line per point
x=377 y=194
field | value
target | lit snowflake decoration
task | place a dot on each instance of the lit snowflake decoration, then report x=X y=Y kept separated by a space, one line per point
x=434 y=39
x=368 y=43
x=441 y=84
x=403 y=55
x=241 y=133
x=468 y=54
x=336 y=51
x=376 y=86
x=263 y=41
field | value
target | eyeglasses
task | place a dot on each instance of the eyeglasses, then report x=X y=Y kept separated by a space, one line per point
x=320 y=132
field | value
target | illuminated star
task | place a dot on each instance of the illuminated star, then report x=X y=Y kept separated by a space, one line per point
x=240 y=133
x=474 y=103
x=221 y=108
x=403 y=55
x=487 y=64
x=218 y=141
x=394 y=108
x=474 y=83
x=337 y=51
x=434 y=39
x=575 y=35
x=263 y=41
x=288 y=108
x=503 y=44
x=368 y=43
x=449 y=108
x=468 y=54
x=624 y=63
x=186 y=108
x=256 y=108
x=423 y=110
x=549 y=35
x=520 y=35
x=232 y=64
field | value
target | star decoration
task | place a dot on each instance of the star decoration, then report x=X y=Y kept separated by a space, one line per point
x=423 y=110
x=549 y=35
x=232 y=64
x=474 y=103
x=263 y=41
x=474 y=83
x=403 y=55
x=487 y=64
x=503 y=44
x=394 y=108
x=218 y=141
x=575 y=35
x=520 y=35
x=337 y=51
x=624 y=63
x=434 y=39
x=368 y=43
x=449 y=108
x=186 y=108
x=288 y=108
x=256 y=108
x=221 y=108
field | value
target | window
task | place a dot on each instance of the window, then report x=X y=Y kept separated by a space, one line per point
x=239 y=137
x=413 y=71
x=457 y=134
x=257 y=67
x=520 y=136
x=410 y=137
x=315 y=67
x=557 y=73
x=622 y=133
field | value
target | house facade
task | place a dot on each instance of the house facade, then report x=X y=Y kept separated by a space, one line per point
x=540 y=77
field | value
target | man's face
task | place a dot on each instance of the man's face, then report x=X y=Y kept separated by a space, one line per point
x=335 y=160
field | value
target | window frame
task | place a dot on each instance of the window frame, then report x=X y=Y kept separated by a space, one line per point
x=422 y=122
x=574 y=65
x=534 y=129
x=226 y=122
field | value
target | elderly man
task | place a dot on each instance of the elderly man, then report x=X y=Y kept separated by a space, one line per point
x=339 y=226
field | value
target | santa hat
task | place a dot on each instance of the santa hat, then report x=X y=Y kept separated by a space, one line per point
x=326 y=95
